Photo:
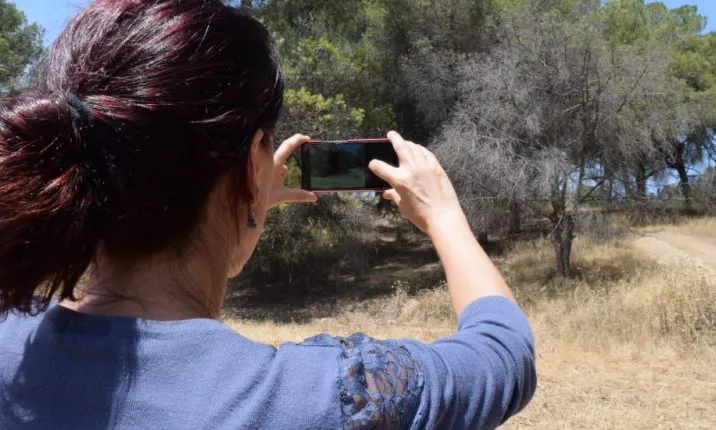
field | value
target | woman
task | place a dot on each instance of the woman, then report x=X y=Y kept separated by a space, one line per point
x=143 y=157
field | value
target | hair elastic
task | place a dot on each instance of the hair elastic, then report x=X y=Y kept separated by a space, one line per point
x=80 y=111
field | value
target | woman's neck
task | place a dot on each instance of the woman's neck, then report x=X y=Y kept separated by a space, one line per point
x=155 y=289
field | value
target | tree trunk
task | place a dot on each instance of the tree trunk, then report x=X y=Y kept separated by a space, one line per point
x=610 y=188
x=563 y=234
x=562 y=241
x=680 y=166
x=641 y=181
x=685 y=185
x=515 y=218
x=580 y=179
x=627 y=183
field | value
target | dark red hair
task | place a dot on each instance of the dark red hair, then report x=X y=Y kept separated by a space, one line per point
x=140 y=108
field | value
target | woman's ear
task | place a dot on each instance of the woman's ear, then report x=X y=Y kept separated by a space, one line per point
x=256 y=140
x=255 y=164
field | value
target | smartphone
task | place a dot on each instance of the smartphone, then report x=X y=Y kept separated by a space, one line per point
x=340 y=166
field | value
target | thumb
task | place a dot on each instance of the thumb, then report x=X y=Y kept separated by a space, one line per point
x=384 y=171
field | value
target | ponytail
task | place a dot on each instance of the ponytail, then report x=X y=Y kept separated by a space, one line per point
x=48 y=225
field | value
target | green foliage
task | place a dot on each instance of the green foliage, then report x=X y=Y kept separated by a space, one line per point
x=297 y=20
x=331 y=56
x=632 y=22
x=20 y=47
x=319 y=116
x=423 y=43
x=346 y=70
x=293 y=179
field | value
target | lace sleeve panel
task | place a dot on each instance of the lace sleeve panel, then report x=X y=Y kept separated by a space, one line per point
x=379 y=382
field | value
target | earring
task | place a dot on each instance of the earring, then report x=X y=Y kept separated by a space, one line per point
x=252 y=220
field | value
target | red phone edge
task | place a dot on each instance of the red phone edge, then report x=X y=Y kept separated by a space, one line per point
x=312 y=142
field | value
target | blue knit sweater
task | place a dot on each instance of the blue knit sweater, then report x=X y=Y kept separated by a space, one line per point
x=67 y=370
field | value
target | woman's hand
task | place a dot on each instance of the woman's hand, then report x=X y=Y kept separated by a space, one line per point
x=279 y=192
x=421 y=188
x=425 y=196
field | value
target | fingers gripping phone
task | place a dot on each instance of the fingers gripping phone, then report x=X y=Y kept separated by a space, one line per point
x=341 y=166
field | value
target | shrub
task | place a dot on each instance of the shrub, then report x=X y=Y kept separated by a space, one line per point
x=304 y=244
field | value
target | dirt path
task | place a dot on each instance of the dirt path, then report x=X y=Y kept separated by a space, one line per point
x=671 y=247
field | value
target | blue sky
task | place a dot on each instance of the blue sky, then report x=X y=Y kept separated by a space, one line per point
x=54 y=14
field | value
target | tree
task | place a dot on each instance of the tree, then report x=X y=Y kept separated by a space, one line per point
x=695 y=65
x=20 y=47
x=683 y=133
x=423 y=44
x=346 y=71
x=330 y=50
x=554 y=107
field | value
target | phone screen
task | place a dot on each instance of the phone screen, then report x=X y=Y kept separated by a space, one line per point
x=343 y=165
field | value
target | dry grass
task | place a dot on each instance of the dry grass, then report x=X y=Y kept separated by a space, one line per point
x=425 y=316
x=616 y=296
x=623 y=344
x=705 y=227
x=635 y=350
x=624 y=387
